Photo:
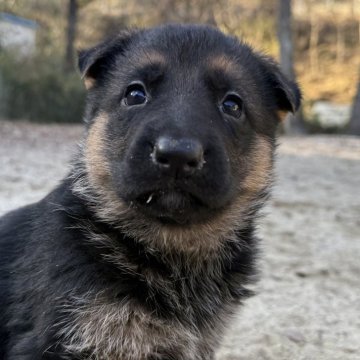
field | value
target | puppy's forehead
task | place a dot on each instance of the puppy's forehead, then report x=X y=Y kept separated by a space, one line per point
x=210 y=63
x=187 y=46
x=189 y=56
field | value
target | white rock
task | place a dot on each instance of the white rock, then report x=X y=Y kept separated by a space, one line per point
x=330 y=115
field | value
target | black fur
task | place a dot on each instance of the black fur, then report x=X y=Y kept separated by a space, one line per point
x=50 y=259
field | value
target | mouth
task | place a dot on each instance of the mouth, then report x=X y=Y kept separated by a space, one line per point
x=172 y=206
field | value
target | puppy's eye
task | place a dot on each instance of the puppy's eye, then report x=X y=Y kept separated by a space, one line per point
x=135 y=95
x=232 y=105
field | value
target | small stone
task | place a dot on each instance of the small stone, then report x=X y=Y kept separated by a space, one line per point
x=295 y=335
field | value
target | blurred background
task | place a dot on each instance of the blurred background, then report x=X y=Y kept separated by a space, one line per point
x=316 y=41
x=308 y=301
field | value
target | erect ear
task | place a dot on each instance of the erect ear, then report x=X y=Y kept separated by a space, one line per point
x=94 y=62
x=286 y=92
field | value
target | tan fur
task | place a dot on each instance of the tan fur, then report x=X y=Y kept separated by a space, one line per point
x=89 y=82
x=260 y=166
x=97 y=166
x=108 y=328
x=150 y=57
x=224 y=64
x=123 y=331
x=198 y=240
x=282 y=115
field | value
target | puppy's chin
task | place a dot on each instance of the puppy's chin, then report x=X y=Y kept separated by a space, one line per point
x=173 y=207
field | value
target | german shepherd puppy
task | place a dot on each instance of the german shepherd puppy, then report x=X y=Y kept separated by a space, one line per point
x=146 y=249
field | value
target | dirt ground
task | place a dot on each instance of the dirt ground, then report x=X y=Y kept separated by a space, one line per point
x=308 y=302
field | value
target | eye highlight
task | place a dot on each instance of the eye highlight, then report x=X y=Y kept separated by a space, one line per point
x=135 y=95
x=232 y=105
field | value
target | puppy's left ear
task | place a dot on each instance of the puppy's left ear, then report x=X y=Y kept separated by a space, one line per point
x=286 y=92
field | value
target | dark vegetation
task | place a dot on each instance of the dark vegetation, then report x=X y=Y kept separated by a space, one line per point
x=38 y=89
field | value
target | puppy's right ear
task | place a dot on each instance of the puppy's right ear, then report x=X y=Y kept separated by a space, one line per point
x=96 y=61
x=286 y=93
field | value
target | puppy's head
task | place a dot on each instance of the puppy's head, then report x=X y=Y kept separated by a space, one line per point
x=181 y=126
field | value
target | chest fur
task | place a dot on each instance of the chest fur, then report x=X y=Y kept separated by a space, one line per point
x=100 y=329
x=165 y=311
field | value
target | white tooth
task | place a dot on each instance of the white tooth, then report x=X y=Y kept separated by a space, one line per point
x=149 y=199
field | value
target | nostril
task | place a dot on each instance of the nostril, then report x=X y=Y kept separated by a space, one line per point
x=181 y=156
x=193 y=164
x=162 y=160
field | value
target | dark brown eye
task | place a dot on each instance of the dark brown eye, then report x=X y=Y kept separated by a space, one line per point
x=232 y=105
x=135 y=95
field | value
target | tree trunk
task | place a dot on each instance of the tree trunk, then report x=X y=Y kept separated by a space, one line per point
x=314 y=40
x=285 y=39
x=70 y=34
x=354 y=125
x=294 y=123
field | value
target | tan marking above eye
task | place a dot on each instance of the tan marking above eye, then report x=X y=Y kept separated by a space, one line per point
x=224 y=64
x=150 y=57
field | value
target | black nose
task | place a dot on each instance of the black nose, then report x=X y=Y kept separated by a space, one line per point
x=180 y=156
